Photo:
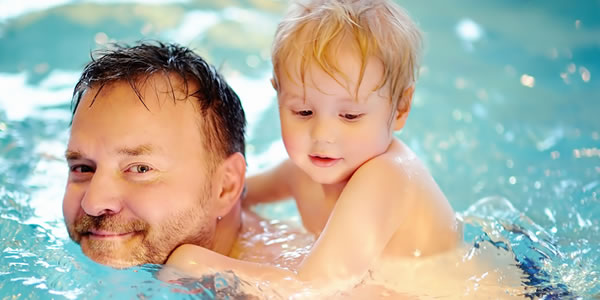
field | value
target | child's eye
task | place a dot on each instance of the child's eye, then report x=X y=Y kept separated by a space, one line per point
x=139 y=169
x=351 y=117
x=304 y=113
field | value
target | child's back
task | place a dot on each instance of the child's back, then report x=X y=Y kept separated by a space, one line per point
x=425 y=222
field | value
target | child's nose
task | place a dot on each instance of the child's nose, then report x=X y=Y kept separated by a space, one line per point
x=102 y=196
x=323 y=131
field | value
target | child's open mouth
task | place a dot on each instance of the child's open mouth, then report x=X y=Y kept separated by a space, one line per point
x=322 y=161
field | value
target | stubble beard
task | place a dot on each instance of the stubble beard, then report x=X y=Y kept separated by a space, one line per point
x=150 y=244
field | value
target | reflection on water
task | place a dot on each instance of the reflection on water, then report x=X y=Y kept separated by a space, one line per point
x=501 y=108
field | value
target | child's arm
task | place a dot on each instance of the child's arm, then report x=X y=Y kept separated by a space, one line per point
x=365 y=217
x=361 y=224
x=197 y=261
x=270 y=186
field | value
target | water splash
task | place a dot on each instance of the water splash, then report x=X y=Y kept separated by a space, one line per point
x=550 y=270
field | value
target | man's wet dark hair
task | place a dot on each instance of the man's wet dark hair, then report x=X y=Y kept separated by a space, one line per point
x=223 y=121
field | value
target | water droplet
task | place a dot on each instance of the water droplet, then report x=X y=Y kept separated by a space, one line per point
x=585 y=74
x=457 y=115
x=510 y=164
x=101 y=38
x=417 y=253
x=468 y=30
x=527 y=80
x=460 y=83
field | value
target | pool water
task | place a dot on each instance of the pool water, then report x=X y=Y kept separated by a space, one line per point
x=505 y=115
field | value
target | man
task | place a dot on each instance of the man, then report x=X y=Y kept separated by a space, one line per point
x=156 y=156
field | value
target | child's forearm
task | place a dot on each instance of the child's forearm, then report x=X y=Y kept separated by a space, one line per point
x=270 y=186
x=195 y=261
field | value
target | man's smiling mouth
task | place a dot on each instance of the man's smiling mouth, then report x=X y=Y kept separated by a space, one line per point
x=109 y=235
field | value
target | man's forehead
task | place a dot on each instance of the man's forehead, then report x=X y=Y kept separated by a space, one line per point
x=118 y=122
x=152 y=90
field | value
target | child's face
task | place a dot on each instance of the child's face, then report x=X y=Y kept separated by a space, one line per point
x=326 y=130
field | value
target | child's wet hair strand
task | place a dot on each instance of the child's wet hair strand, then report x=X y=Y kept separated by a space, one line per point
x=313 y=31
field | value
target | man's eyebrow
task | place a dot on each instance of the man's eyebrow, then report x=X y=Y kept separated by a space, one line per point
x=140 y=150
x=72 y=155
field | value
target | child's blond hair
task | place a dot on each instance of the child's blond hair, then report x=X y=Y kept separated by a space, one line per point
x=312 y=30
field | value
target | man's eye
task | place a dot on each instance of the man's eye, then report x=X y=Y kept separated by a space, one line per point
x=139 y=169
x=304 y=113
x=81 y=169
x=351 y=117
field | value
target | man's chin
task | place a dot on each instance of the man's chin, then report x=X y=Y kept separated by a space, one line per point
x=109 y=258
x=113 y=262
x=113 y=254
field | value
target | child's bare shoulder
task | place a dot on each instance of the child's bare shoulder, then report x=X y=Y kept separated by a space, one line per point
x=398 y=174
x=397 y=164
x=399 y=181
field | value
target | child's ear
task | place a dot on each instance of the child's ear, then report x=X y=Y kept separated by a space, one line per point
x=402 y=111
x=229 y=183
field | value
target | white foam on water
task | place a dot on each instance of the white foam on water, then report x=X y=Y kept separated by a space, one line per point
x=25 y=99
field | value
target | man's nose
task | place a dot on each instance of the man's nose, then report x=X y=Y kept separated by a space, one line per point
x=102 y=195
x=323 y=130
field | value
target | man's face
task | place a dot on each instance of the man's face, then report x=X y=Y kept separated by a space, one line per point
x=139 y=179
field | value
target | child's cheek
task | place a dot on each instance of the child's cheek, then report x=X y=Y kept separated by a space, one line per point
x=292 y=144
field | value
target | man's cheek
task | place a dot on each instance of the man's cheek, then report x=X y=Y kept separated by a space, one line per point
x=149 y=202
x=71 y=207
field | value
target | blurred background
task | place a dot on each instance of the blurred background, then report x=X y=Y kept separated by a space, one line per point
x=507 y=105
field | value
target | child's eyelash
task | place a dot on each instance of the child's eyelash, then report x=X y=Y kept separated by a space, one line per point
x=303 y=113
x=351 y=117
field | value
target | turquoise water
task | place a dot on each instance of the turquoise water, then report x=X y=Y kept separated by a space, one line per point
x=506 y=107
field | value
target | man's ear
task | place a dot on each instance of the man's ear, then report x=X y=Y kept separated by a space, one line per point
x=229 y=183
x=402 y=111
